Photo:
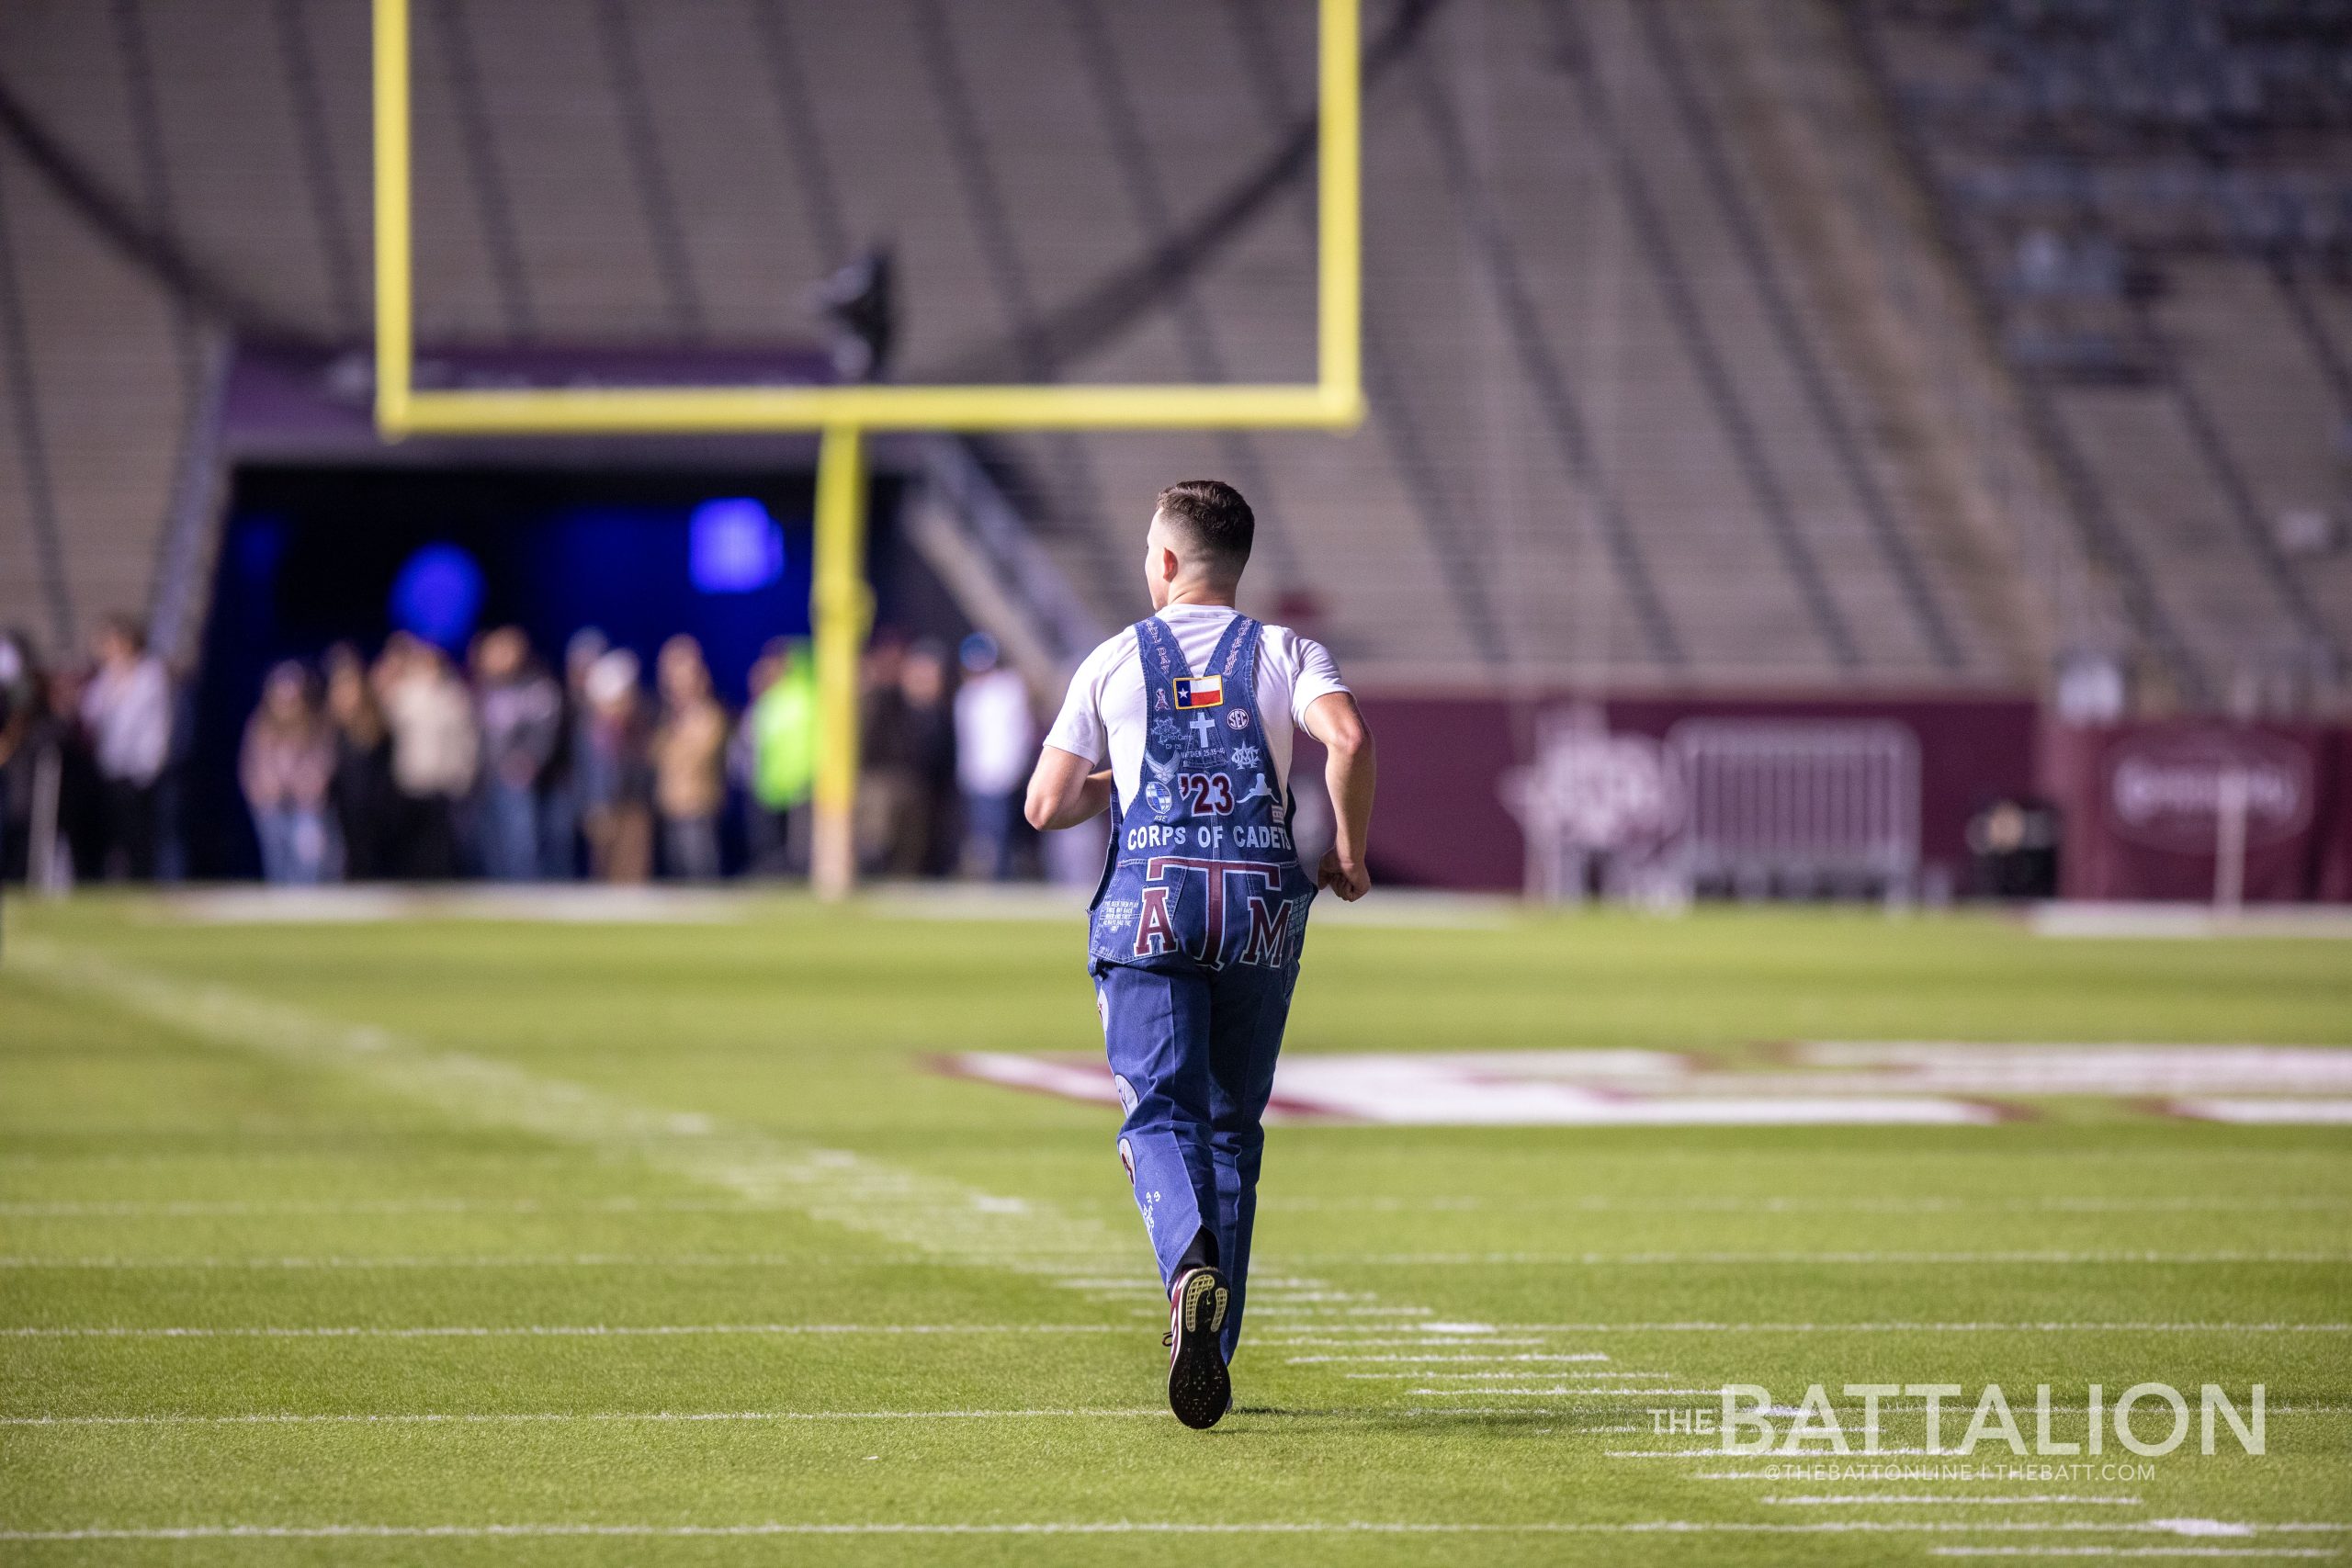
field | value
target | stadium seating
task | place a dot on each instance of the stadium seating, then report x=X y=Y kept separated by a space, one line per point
x=1630 y=422
x=2155 y=200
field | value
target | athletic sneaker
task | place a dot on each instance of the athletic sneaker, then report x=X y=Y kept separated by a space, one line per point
x=1200 y=1391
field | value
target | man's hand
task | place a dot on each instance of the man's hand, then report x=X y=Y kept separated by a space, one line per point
x=1346 y=878
x=1348 y=772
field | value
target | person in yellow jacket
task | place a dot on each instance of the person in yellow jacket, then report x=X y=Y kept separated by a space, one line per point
x=780 y=744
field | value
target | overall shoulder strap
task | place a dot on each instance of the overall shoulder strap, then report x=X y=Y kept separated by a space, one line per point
x=1156 y=645
x=1224 y=659
x=1250 y=638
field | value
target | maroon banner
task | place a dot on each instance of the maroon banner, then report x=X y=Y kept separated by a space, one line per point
x=2146 y=806
x=1443 y=822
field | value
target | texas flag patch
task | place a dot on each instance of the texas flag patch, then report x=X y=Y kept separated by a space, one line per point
x=1200 y=690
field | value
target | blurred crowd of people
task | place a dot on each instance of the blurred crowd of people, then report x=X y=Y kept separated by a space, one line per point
x=93 y=752
x=411 y=766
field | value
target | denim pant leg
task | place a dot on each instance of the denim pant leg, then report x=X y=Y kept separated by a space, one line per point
x=1249 y=1008
x=1155 y=1027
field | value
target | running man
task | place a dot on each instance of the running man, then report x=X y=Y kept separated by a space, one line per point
x=1180 y=727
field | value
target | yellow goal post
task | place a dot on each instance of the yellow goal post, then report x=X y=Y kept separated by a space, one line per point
x=839 y=602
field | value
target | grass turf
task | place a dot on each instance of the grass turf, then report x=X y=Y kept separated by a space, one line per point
x=455 y=1148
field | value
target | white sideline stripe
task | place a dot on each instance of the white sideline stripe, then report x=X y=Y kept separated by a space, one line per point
x=1122 y=1526
x=2178 y=921
x=2036 y=1499
x=543 y=1330
x=468 y=1419
x=1456 y=1260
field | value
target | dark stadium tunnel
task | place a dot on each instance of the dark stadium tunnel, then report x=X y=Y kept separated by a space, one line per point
x=309 y=557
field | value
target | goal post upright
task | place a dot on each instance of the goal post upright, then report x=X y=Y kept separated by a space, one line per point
x=840 y=600
x=841 y=610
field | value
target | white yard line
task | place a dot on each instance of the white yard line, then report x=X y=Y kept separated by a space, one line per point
x=1122 y=1526
x=496 y=1260
x=1294 y=1341
x=1809 y=1204
x=1459 y=1378
x=496 y=1418
x=1997 y=1500
x=2302 y=1552
x=239 y=1208
x=493 y=1418
x=1715 y=1392
x=1430 y=1361
x=1514 y=1372
x=1810 y=1456
x=545 y=1330
x=1277 y=1302
x=1924 y=1327
x=1608 y=1259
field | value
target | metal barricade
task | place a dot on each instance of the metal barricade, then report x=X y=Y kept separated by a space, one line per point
x=1799 y=809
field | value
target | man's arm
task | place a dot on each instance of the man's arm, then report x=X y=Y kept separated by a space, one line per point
x=1332 y=718
x=1065 y=790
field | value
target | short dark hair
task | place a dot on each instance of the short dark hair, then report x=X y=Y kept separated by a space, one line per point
x=1213 y=517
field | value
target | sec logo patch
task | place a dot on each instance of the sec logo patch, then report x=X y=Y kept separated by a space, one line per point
x=1238 y=719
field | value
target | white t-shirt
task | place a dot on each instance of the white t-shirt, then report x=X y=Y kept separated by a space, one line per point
x=128 y=712
x=994 y=733
x=1105 y=716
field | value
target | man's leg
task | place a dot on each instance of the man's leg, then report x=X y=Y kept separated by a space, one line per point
x=1155 y=1027
x=1249 y=1008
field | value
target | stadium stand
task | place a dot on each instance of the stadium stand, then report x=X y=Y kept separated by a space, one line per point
x=2156 y=202
x=1675 y=340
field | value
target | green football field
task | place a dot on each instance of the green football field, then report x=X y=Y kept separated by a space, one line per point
x=468 y=1241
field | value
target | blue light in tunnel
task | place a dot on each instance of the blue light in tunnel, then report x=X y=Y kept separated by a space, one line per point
x=733 y=547
x=436 y=596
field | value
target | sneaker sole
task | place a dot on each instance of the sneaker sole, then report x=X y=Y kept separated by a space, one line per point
x=1200 y=1390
